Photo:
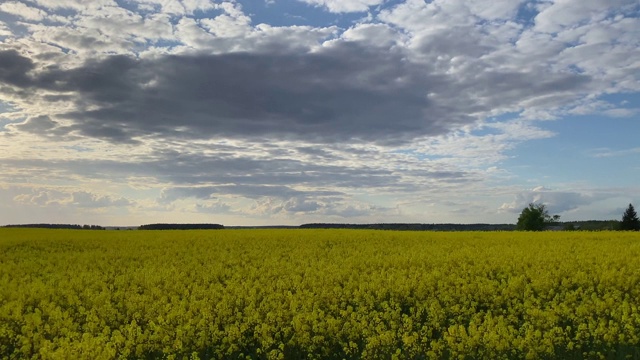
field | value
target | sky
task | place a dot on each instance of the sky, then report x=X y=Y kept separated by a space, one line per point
x=284 y=112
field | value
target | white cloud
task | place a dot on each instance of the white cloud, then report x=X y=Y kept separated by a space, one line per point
x=119 y=24
x=173 y=7
x=4 y=30
x=621 y=112
x=234 y=23
x=607 y=153
x=86 y=199
x=416 y=15
x=61 y=197
x=23 y=11
x=563 y=14
x=191 y=34
x=494 y=10
x=77 y=5
x=87 y=42
x=557 y=201
x=373 y=34
x=191 y=6
x=340 y=6
x=39 y=198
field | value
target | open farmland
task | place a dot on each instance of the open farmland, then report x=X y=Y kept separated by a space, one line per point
x=318 y=294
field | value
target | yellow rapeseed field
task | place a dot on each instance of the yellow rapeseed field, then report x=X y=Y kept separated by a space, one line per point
x=318 y=294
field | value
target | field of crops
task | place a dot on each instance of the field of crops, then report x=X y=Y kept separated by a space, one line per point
x=318 y=294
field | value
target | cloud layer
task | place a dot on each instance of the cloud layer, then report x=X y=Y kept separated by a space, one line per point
x=385 y=109
x=343 y=92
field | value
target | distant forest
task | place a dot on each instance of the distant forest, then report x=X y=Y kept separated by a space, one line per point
x=181 y=227
x=58 y=226
x=590 y=225
x=401 y=226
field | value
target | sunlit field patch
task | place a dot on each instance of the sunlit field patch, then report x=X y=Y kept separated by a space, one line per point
x=318 y=294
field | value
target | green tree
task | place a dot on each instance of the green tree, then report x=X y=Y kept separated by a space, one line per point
x=535 y=217
x=630 y=219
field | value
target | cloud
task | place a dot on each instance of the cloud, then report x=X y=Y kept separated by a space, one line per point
x=69 y=4
x=4 y=30
x=181 y=7
x=495 y=10
x=14 y=68
x=23 y=11
x=233 y=23
x=247 y=191
x=88 y=200
x=345 y=92
x=606 y=153
x=321 y=210
x=47 y=197
x=340 y=6
x=213 y=207
x=388 y=82
x=621 y=112
x=556 y=201
x=377 y=35
x=191 y=6
x=354 y=210
x=282 y=171
x=298 y=205
x=38 y=198
x=41 y=125
x=124 y=26
x=565 y=13
x=334 y=96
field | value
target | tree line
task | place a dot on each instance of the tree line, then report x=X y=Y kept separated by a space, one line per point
x=181 y=227
x=535 y=217
x=412 y=227
x=58 y=226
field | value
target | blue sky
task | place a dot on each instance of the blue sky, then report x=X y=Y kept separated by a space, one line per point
x=288 y=112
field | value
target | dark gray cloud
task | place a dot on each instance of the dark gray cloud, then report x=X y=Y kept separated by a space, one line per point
x=14 y=68
x=343 y=93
